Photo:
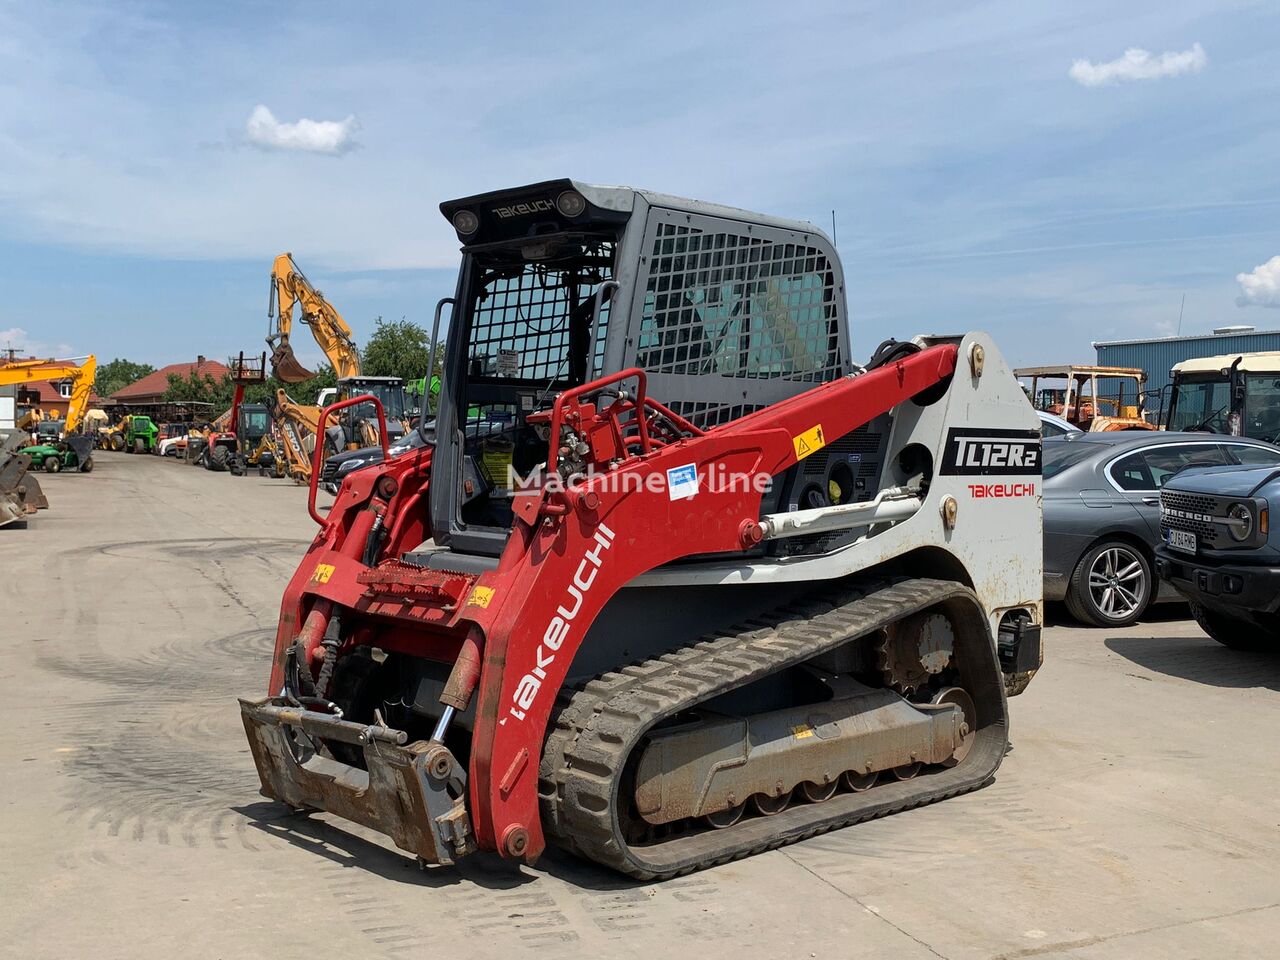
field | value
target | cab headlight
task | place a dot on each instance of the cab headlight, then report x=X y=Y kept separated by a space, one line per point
x=466 y=222
x=1239 y=522
x=571 y=203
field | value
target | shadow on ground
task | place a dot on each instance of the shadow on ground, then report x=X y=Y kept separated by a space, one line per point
x=1056 y=614
x=325 y=839
x=1201 y=660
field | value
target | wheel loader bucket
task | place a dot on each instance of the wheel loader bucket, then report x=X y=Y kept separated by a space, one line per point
x=285 y=365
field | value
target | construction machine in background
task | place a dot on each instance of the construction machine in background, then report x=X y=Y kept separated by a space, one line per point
x=357 y=426
x=1094 y=399
x=674 y=580
x=1237 y=394
x=237 y=432
x=64 y=447
x=296 y=425
x=139 y=434
x=30 y=420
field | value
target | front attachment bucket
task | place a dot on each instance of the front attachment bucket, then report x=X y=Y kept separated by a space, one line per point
x=20 y=493
x=415 y=794
x=285 y=365
x=31 y=495
x=82 y=447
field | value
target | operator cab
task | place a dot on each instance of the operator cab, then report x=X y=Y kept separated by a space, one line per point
x=255 y=423
x=48 y=431
x=562 y=283
x=390 y=391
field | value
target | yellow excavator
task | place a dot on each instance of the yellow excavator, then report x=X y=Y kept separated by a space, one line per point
x=296 y=425
x=20 y=493
x=358 y=426
x=289 y=286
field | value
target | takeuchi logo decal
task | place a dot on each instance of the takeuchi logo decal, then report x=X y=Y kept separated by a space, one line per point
x=524 y=209
x=561 y=623
x=991 y=452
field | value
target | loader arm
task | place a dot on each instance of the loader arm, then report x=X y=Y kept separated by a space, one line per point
x=289 y=287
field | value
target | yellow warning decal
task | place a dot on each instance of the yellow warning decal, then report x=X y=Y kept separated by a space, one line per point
x=322 y=573
x=802 y=731
x=809 y=442
x=480 y=597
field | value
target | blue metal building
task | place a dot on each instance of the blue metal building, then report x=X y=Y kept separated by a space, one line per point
x=1156 y=356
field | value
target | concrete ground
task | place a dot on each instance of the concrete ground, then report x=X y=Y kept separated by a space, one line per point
x=1136 y=816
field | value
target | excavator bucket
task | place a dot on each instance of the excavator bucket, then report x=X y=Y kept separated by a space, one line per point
x=20 y=493
x=82 y=447
x=285 y=365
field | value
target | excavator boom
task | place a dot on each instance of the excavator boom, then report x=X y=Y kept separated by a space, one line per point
x=289 y=287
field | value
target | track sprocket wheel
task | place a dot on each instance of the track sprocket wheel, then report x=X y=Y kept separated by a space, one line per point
x=912 y=650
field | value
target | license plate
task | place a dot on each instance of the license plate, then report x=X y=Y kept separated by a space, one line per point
x=1181 y=540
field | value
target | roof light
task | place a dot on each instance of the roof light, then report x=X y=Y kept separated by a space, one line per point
x=466 y=222
x=571 y=203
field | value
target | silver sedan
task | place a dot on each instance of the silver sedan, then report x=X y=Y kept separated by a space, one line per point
x=1102 y=513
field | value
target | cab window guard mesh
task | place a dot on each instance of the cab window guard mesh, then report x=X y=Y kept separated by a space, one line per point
x=723 y=303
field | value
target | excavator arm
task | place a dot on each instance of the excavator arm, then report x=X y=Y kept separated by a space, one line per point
x=81 y=375
x=81 y=387
x=289 y=287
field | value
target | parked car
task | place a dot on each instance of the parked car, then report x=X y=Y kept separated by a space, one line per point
x=1102 y=514
x=1052 y=425
x=1220 y=550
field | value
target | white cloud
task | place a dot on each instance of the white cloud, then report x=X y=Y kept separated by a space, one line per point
x=20 y=340
x=309 y=136
x=1137 y=64
x=1260 y=287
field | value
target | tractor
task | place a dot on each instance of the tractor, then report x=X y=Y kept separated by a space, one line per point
x=140 y=434
x=672 y=578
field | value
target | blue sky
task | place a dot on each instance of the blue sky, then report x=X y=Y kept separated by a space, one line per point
x=977 y=183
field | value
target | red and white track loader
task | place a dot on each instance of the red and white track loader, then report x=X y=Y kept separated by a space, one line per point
x=671 y=578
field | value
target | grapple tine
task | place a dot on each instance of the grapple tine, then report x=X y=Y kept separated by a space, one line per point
x=285 y=365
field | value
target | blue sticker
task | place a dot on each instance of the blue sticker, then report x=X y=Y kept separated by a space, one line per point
x=682 y=482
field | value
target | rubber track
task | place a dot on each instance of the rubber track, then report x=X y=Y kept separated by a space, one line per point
x=597 y=727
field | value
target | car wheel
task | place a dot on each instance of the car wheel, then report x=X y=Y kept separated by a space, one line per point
x=87 y=466
x=1111 y=585
x=52 y=464
x=219 y=458
x=1233 y=632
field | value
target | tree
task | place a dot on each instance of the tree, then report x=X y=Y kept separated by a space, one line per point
x=398 y=348
x=201 y=388
x=118 y=374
